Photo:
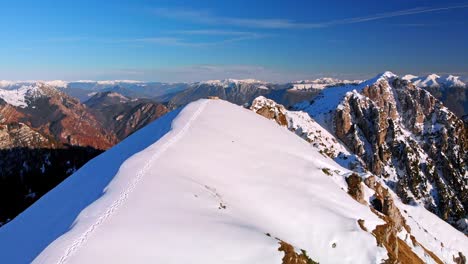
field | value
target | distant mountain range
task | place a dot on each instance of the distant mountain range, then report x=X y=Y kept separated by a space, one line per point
x=386 y=125
x=451 y=90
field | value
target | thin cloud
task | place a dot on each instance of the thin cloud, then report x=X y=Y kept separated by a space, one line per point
x=407 y=12
x=218 y=32
x=174 y=41
x=206 y=17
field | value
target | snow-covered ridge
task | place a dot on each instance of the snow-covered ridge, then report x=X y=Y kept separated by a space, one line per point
x=162 y=191
x=321 y=83
x=229 y=82
x=435 y=81
x=20 y=97
x=236 y=182
x=5 y=84
x=307 y=128
x=110 y=82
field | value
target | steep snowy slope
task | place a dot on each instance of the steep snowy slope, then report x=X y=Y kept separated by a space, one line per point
x=213 y=183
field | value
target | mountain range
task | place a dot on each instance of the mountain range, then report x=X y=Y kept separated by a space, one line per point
x=256 y=192
x=343 y=172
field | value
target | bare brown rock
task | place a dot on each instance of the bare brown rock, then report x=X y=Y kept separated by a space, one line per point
x=355 y=188
x=291 y=257
x=270 y=109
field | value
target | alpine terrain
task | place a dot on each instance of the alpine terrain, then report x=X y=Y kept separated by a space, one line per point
x=257 y=193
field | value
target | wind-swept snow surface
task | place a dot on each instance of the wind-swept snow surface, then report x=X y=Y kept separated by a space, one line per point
x=208 y=191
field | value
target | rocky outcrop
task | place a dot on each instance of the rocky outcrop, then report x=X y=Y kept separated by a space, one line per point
x=292 y=257
x=270 y=109
x=20 y=135
x=408 y=137
x=355 y=188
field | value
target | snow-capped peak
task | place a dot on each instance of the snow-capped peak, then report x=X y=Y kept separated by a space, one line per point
x=321 y=83
x=5 y=84
x=435 y=81
x=387 y=75
x=409 y=77
x=19 y=97
x=228 y=82
x=454 y=81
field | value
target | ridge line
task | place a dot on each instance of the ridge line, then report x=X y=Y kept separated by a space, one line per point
x=76 y=245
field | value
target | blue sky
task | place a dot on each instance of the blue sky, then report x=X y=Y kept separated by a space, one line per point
x=197 y=40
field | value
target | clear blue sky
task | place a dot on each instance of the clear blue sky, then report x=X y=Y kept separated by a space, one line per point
x=196 y=40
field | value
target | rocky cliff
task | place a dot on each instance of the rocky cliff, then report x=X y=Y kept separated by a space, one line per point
x=406 y=136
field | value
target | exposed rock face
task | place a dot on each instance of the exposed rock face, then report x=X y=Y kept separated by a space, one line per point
x=270 y=109
x=355 y=188
x=59 y=116
x=450 y=90
x=408 y=137
x=123 y=115
x=388 y=234
x=292 y=257
x=20 y=135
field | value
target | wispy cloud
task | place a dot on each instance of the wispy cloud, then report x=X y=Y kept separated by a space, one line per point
x=206 y=17
x=174 y=38
x=407 y=12
x=220 y=32
x=222 y=37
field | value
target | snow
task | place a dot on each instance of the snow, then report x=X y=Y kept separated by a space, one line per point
x=329 y=99
x=321 y=83
x=429 y=230
x=19 y=97
x=114 y=82
x=5 y=83
x=304 y=126
x=435 y=81
x=117 y=95
x=200 y=185
x=229 y=82
x=409 y=77
x=433 y=233
x=56 y=83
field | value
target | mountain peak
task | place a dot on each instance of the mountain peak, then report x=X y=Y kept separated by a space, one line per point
x=387 y=75
x=20 y=96
x=435 y=81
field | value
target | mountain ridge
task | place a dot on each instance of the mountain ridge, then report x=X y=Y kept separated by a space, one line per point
x=222 y=199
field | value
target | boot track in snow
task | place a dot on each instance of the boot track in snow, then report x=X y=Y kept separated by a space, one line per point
x=124 y=195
